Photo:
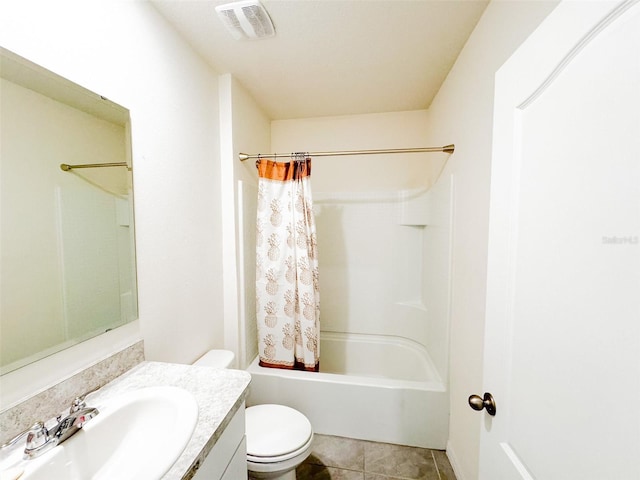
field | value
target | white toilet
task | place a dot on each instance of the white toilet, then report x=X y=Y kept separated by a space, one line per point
x=279 y=438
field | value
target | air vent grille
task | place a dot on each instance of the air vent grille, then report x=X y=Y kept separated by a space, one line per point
x=232 y=23
x=246 y=19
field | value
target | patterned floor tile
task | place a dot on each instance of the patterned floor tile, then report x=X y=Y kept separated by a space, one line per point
x=375 y=476
x=308 y=471
x=398 y=461
x=444 y=467
x=337 y=452
x=338 y=458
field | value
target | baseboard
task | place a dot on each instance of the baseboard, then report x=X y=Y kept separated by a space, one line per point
x=455 y=464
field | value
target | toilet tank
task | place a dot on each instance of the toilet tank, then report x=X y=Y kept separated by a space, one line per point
x=216 y=359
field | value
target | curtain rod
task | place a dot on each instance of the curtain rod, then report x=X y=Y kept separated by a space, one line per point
x=445 y=149
x=67 y=167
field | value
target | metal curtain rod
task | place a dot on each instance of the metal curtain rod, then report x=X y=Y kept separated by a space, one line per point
x=445 y=149
x=67 y=167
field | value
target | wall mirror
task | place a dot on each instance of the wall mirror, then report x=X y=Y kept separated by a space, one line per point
x=67 y=256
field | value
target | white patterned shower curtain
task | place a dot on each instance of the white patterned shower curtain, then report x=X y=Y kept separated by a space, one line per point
x=287 y=296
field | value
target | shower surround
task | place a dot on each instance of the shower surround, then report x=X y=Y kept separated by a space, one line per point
x=384 y=267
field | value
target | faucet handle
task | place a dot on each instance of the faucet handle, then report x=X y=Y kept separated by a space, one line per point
x=37 y=436
x=35 y=426
x=79 y=403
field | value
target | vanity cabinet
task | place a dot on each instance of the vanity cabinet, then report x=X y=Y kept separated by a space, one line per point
x=237 y=467
x=228 y=457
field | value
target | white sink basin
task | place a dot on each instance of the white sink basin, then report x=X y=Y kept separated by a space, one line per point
x=138 y=435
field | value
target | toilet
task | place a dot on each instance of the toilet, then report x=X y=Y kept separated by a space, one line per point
x=279 y=438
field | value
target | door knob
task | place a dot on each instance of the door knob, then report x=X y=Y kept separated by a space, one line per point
x=478 y=403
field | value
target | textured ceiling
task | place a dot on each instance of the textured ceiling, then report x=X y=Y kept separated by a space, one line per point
x=335 y=57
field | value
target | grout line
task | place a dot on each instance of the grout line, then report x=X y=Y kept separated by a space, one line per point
x=436 y=464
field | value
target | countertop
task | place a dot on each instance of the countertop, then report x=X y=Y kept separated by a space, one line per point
x=218 y=392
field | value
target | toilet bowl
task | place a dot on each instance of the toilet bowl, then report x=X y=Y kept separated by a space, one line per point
x=279 y=438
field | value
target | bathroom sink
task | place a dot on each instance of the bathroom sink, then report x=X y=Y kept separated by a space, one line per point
x=137 y=435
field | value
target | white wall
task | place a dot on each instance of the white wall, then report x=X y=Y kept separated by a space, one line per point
x=126 y=52
x=244 y=128
x=361 y=132
x=462 y=114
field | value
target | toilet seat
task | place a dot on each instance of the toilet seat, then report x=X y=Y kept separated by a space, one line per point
x=305 y=449
x=276 y=433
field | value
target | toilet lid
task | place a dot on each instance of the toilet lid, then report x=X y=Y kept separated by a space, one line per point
x=275 y=430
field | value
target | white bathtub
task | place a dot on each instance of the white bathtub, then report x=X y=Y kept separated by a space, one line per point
x=369 y=387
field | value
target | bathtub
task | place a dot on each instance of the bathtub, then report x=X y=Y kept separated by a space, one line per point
x=370 y=387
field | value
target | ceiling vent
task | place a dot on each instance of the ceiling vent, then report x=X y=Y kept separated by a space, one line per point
x=246 y=19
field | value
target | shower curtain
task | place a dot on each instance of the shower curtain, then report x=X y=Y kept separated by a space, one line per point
x=287 y=296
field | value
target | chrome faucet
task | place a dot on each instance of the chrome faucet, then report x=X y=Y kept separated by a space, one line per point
x=41 y=439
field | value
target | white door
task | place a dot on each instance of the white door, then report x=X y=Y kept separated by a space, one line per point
x=562 y=348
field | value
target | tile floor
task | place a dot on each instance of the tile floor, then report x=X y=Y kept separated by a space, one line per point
x=339 y=458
